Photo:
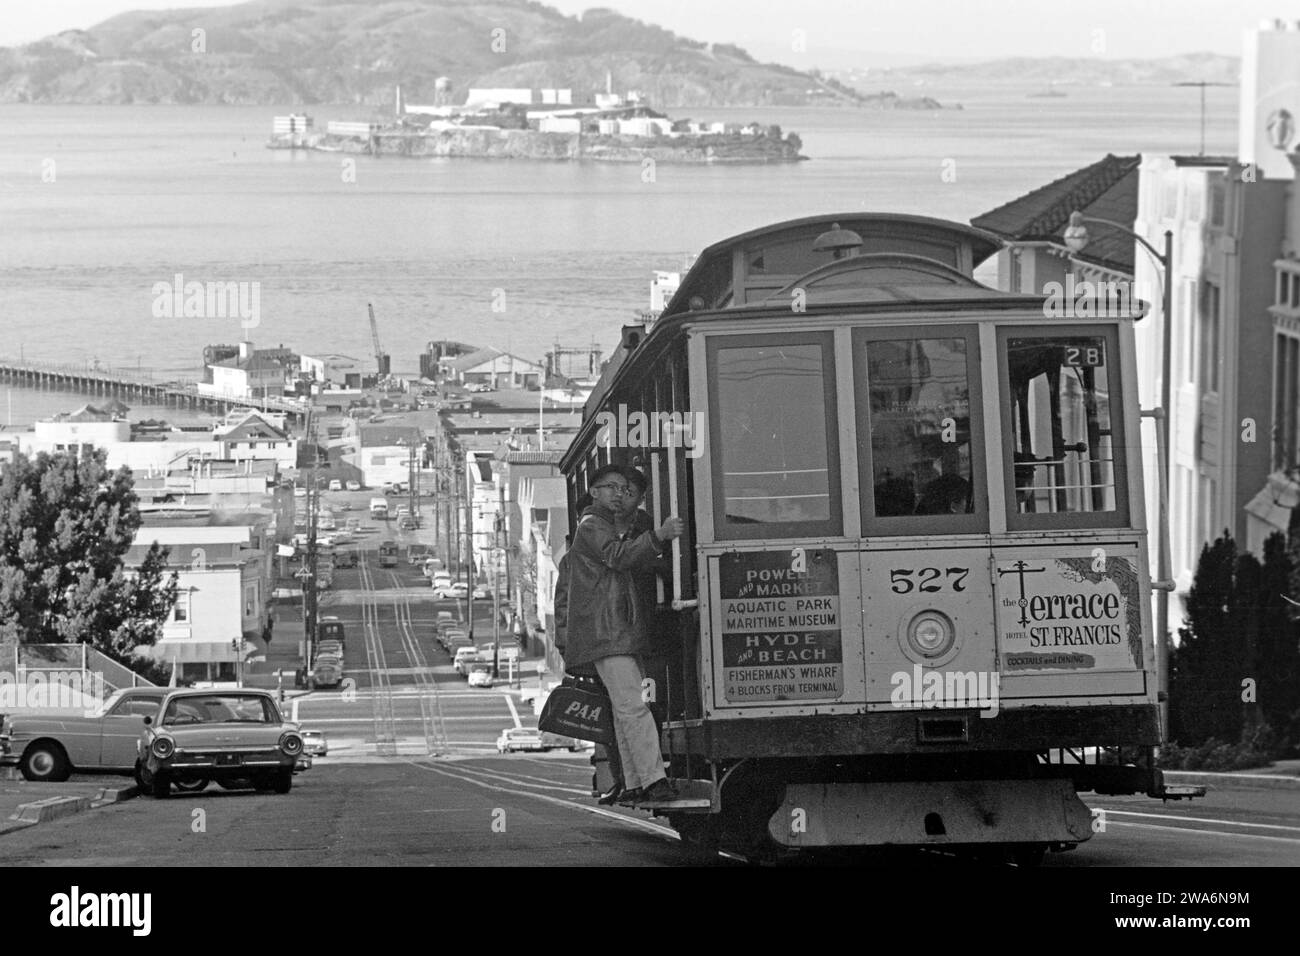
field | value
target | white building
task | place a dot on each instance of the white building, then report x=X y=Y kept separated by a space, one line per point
x=329 y=368
x=224 y=587
x=248 y=375
x=293 y=123
x=250 y=435
x=491 y=366
x=493 y=98
x=385 y=453
x=486 y=497
x=544 y=503
x=254 y=437
x=78 y=432
x=643 y=126
x=559 y=124
x=1269 y=115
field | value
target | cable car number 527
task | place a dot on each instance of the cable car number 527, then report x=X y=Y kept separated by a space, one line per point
x=905 y=580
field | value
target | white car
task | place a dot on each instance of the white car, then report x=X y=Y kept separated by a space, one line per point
x=354 y=486
x=464 y=658
x=480 y=675
x=529 y=738
x=300 y=492
x=457 y=590
x=336 y=485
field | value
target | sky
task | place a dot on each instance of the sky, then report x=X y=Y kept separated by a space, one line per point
x=912 y=30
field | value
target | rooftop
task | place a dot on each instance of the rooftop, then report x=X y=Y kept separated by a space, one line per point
x=388 y=436
x=482 y=356
x=1107 y=190
x=168 y=536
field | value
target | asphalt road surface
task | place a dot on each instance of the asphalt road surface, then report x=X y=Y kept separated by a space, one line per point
x=535 y=810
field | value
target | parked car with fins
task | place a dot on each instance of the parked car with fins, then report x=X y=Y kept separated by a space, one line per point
x=237 y=738
x=53 y=747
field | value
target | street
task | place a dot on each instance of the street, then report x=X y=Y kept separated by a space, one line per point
x=526 y=810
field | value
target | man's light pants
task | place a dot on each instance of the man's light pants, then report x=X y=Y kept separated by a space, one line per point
x=634 y=727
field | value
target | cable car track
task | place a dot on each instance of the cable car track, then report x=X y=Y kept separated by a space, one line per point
x=431 y=715
x=382 y=697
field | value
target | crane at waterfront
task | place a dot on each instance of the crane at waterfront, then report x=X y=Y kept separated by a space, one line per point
x=381 y=357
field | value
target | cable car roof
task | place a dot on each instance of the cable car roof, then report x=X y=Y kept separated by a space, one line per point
x=844 y=251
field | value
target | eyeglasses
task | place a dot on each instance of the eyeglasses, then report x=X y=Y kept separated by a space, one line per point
x=619 y=490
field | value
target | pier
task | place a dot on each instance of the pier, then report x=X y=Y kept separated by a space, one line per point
x=131 y=384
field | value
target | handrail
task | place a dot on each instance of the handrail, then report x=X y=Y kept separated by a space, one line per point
x=670 y=434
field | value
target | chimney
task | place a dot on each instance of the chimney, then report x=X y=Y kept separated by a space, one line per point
x=245 y=350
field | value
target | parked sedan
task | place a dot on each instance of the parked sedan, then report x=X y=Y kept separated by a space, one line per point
x=480 y=675
x=235 y=737
x=456 y=589
x=51 y=748
x=354 y=486
x=529 y=738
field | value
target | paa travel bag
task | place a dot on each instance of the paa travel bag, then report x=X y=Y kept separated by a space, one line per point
x=579 y=708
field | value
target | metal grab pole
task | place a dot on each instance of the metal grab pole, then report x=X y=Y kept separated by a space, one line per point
x=670 y=442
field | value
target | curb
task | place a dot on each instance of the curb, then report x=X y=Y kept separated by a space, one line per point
x=54 y=808
x=51 y=808
x=1233 y=781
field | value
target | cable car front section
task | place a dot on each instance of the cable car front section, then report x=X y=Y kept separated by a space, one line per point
x=913 y=604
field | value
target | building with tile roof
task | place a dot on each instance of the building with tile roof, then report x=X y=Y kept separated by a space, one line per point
x=1034 y=224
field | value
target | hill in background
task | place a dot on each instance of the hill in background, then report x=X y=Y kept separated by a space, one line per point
x=322 y=51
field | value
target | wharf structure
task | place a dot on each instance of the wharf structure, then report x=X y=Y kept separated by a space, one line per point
x=130 y=384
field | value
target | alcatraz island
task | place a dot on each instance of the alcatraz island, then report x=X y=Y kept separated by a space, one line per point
x=543 y=124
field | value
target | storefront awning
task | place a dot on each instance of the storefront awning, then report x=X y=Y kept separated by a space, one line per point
x=196 y=652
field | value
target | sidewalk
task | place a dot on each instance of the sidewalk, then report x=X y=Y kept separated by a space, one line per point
x=1282 y=775
x=24 y=804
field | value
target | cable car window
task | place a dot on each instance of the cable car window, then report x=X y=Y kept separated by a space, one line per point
x=920 y=426
x=772 y=425
x=1064 y=422
x=922 y=447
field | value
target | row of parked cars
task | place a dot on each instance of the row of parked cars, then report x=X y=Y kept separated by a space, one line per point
x=167 y=738
x=443 y=585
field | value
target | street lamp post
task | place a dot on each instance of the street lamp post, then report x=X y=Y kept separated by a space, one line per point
x=1076 y=238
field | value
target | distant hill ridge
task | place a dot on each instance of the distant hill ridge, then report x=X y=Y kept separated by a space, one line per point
x=351 y=51
x=1055 y=70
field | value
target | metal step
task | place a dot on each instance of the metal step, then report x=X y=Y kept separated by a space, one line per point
x=692 y=795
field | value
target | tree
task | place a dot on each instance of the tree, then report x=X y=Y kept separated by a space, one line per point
x=65 y=526
x=1205 y=669
x=1237 y=667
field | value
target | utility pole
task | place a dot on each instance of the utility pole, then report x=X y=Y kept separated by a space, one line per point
x=437 y=492
x=309 y=595
x=410 y=477
x=469 y=568
x=1202 y=84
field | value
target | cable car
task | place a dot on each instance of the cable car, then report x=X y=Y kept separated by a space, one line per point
x=388 y=554
x=331 y=629
x=912 y=606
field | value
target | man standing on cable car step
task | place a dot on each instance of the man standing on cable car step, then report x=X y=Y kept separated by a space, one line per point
x=607 y=628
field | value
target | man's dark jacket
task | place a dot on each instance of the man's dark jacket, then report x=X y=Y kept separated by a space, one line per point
x=604 y=616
